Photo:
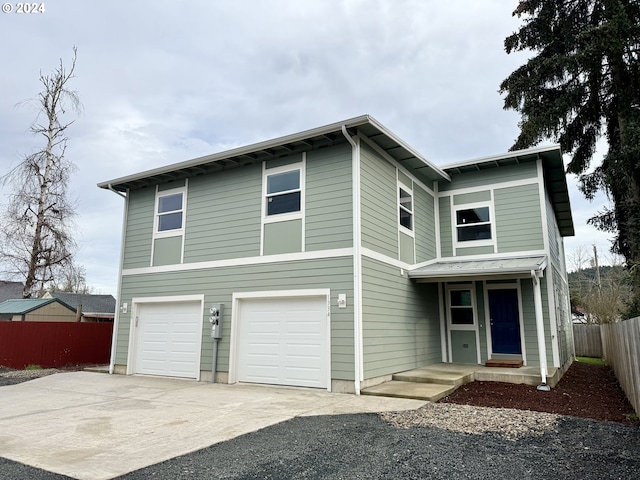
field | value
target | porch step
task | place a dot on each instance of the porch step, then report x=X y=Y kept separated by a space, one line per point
x=430 y=375
x=430 y=392
x=504 y=363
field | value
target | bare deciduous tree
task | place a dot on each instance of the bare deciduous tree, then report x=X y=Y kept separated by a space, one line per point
x=71 y=279
x=36 y=240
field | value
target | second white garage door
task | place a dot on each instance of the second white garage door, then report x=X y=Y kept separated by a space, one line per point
x=284 y=341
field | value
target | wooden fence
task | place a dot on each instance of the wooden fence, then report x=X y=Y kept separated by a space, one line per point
x=621 y=342
x=54 y=344
x=587 y=340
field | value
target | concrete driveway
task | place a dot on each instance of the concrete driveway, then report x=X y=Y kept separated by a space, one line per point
x=94 y=426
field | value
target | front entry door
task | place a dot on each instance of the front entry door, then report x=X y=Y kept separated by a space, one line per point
x=505 y=328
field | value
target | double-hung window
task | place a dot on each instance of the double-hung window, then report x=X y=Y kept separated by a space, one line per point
x=473 y=224
x=405 y=205
x=284 y=193
x=169 y=212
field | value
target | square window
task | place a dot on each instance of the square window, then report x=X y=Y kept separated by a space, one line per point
x=473 y=224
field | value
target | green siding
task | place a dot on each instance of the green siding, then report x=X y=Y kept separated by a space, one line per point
x=139 y=228
x=474 y=250
x=518 y=219
x=401 y=323
x=167 y=250
x=281 y=162
x=283 y=237
x=223 y=215
x=463 y=346
x=219 y=284
x=490 y=176
x=407 y=248
x=475 y=197
x=530 y=329
x=446 y=241
x=425 y=225
x=379 y=203
x=329 y=210
x=405 y=179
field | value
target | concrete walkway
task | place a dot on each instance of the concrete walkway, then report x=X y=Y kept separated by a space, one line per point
x=94 y=426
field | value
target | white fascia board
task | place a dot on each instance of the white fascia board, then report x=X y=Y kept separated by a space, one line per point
x=502 y=156
x=334 y=127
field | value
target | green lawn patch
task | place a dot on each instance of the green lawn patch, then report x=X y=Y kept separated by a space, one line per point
x=591 y=361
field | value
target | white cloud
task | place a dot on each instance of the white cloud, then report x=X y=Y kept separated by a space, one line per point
x=163 y=82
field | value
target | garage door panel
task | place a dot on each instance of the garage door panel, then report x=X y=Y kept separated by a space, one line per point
x=283 y=341
x=168 y=339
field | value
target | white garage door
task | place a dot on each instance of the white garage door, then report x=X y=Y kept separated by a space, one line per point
x=283 y=341
x=168 y=339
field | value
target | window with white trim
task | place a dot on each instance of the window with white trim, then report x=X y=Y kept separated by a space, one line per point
x=170 y=212
x=473 y=224
x=461 y=307
x=283 y=192
x=405 y=206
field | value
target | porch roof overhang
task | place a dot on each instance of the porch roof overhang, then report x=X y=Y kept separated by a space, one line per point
x=451 y=270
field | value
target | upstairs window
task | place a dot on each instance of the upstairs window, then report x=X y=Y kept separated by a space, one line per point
x=169 y=211
x=405 y=202
x=283 y=192
x=473 y=224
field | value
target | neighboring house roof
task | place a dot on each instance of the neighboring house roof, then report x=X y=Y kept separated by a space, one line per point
x=10 y=290
x=91 y=304
x=25 y=305
x=381 y=138
x=554 y=177
x=473 y=268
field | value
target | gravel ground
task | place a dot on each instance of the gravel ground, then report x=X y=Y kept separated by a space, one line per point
x=437 y=441
x=468 y=443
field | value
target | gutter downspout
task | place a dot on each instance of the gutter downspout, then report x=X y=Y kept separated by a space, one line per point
x=542 y=348
x=116 y=320
x=357 y=261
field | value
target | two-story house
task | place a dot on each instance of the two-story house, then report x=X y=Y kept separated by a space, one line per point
x=340 y=256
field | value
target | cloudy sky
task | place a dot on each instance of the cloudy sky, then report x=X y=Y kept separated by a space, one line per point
x=165 y=81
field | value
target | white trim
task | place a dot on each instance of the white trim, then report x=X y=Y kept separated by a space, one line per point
x=502 y=156
x=551 y=304
x=381 y=257
x=236 y=300
x=481 y=256
x=487 y=312
x=443 y=329
x=393 y=162
x=133 y=327
x=491 y=242
x=412 y=212
x=240 y=262
x=488 y=187
x=471 y=285
x=436 y=219
x=116 y=320
x=178 y=232
x=283 y=217
x=357 y=263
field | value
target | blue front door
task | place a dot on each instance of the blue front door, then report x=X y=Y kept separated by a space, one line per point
x=505 y=328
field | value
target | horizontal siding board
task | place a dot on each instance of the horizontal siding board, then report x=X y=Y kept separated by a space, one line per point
x=219 y=284
x=518 y=218
x=139 y=228
x=329 y=210
x=378 y=203
x=401 y=328
x=446 y=239
x=424 y=225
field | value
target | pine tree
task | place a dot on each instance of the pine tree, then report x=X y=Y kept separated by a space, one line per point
x=583 y=84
